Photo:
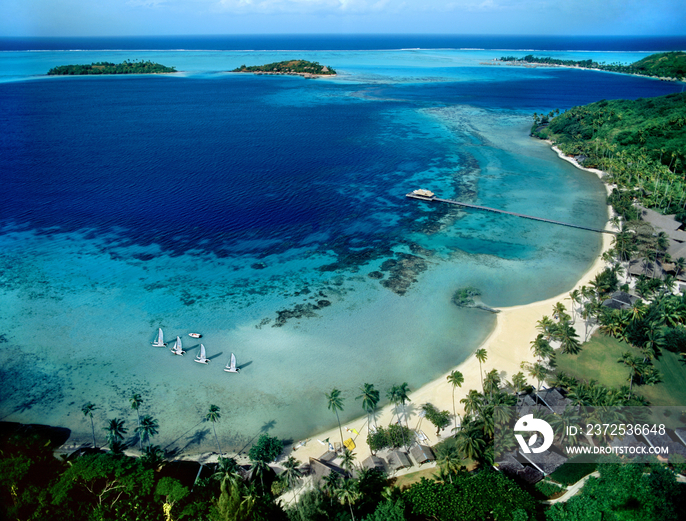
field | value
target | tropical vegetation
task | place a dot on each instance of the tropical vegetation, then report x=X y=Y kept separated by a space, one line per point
x=127 y=67
x=289 y=66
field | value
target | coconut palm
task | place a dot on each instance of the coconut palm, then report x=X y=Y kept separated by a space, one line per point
x=470 y=443
x=403 y=396
x=87 y=410
x=148 y=428
x=136 y=402
x=491 y=382
x=212 y=416
x=449 y=460
x=115 y=431
x=518 y=382
x=370 y=399
x=537 y=371
x=569 y=340
x=456 y=379
x=348 y=493
x=335 y=404
x=348 y=461
x=632 y=363
x=291 y=472
x=541 y=348
x=227 y=471
x=481 y=355
x=472 y=402
x=331 y=483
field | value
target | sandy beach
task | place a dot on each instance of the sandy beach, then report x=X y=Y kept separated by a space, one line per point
x=507 y=346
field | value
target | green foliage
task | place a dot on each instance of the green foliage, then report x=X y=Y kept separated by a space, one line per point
x=127 y=67
x=572 y=471
x=625 y=492
x=641 y=144
x=439 y=419
x=661 y=65
x=388 y=511
x=485 y=496
x=289 y=66
x=394 y=436
x=547 y=488
x=267 y=449
x=464 y=297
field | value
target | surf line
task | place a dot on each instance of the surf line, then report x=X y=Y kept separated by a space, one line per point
x=426 y=195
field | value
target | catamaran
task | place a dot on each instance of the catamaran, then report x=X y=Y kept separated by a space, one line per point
x=231 y=365
x=177 y=349
x=160 y=339
x=201 y=358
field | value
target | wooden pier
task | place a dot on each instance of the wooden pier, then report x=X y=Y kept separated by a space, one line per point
x=433 y=198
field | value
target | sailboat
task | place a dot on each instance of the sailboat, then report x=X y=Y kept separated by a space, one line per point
x=160 y=339
x=201 y=358
x=231 y=366
x=177 y=349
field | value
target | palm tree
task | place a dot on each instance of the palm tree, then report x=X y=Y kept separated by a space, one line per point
x=335 y=404
x=347 y=493
x=456 y=378
x=348 y=461
x=470 y=443
x=569 y=340
x=227 y=470
x=291 y=472
x=370 y=399
x=491 y=382
x=392 y=395
x=472 y=402
x=136 y=402
x=148 y=427
x=481 y=356
x=575 y=296
x=541 y=348
x=537 y=371
x=632 y=363
x=212 y=416
x=115 y=431
x=403 y=392
x=449 y=461
x=87 y=410
x=518 y=382
x=331 y=482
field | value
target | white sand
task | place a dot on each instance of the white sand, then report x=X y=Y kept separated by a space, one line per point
x=507 y=346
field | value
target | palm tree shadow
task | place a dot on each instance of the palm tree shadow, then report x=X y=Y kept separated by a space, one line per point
x=196 y=438
x=263 y=430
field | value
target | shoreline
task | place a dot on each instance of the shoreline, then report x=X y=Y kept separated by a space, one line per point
x=507 y=345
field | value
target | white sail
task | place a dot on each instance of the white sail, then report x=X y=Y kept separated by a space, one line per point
x=178 y=348
x=160 y=339
x=231 y=366
x=201 y=358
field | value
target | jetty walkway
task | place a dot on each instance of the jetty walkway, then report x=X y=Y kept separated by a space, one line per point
x=425 y=195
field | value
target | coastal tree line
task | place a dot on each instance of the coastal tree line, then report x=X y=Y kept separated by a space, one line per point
x=126 y=67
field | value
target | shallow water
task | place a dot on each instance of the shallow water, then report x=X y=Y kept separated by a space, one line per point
x=253 y=210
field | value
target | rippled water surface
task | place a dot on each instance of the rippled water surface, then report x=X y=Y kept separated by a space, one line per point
x=269 y=214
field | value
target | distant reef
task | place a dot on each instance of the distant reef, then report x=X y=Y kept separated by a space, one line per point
x=290 y=67
x=127 y=67
x=665 y=65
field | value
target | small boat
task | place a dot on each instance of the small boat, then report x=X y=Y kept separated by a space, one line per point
x=195 y=335
x=231 y=365
x=178 y=348
x=160 y=339
x=201 y=358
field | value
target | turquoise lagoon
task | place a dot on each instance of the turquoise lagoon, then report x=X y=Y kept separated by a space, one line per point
x=261 y=212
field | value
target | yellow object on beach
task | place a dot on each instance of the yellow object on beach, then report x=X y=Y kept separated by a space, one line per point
x=349 y=444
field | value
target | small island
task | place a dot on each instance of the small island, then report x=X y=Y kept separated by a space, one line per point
x=127 y=67
x=302 y=68
x=666 y=66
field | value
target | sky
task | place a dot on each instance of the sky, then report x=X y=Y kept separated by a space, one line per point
x=199 y=17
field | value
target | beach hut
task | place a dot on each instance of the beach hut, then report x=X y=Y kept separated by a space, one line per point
x=398 y=459
x=321 y=469
x=422 y=454
x=374 y=462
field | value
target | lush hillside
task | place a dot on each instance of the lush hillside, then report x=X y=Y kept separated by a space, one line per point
x=289 y=67
x=662 y=65
x=127 y=67
x=666 y=64
x=640 y=143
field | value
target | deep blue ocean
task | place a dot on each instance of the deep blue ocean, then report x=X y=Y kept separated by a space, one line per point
x=270 y=214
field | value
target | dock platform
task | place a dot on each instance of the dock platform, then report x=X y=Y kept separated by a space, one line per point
x=433 y=198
